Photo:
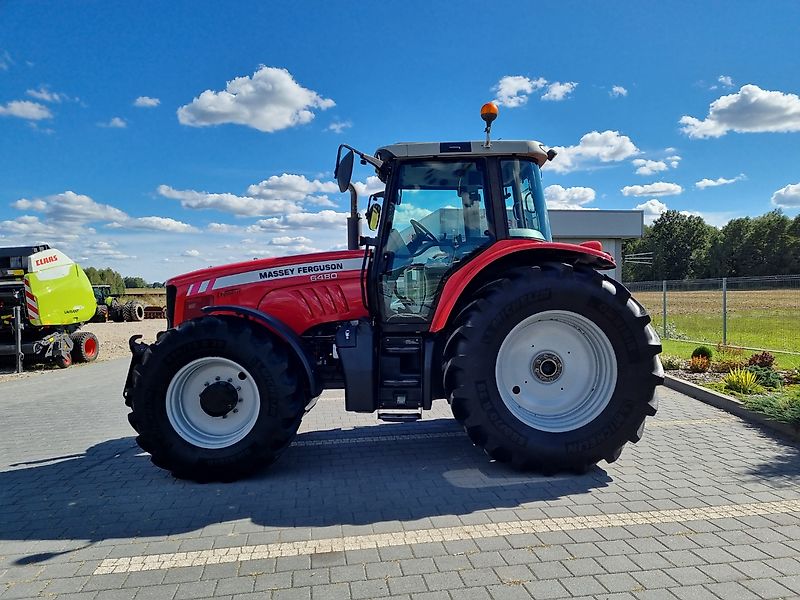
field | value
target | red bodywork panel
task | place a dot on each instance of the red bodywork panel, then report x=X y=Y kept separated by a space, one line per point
x=302 y=291
x=312 y=289
x=459 y=280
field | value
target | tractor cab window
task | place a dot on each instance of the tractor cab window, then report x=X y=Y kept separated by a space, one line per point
x=525 y=206
x=438 y=220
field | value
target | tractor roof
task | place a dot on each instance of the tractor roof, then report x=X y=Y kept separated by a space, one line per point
x=527 y=148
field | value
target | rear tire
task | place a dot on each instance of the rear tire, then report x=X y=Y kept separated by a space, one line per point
x=101 y=314
x=133 y=311
x=116 y=312
x=86 y=347
x=575 y=373
x=186 y=434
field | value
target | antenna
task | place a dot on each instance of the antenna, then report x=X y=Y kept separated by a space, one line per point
x=488 y=114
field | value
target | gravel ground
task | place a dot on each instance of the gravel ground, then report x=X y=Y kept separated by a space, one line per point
x=113 y=344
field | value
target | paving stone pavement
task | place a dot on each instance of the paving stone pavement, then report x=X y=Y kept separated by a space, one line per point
x=705 y=506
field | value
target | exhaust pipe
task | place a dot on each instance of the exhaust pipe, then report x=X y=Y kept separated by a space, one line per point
x=353 y=221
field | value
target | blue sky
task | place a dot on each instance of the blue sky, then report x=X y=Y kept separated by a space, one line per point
x=231 y=95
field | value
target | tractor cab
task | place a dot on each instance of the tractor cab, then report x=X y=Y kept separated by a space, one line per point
x=444 y=203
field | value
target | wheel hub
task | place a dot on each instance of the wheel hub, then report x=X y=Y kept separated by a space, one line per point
x=547 y=367
x=218 y=399
x=556 y=371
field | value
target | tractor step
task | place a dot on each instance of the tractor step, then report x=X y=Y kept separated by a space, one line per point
x=401 y=383
x=400 y=416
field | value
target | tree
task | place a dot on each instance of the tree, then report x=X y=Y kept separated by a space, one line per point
x=680 y=245
x=106 y=276
x=135 y=282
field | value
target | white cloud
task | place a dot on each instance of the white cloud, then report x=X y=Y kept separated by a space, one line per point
x=513 y=90
x=223 y=228
x=371 y=185
x=286 y=240
x=652 y=210
x=5 y=60
x=725 y=80
x=70 y=207
x=73 y=211
x=570 y=198
x=268 y=101
x=25 y=109
x=191 y=253
x=617 y=91
x=246 y=206
x=45 y=95
x=114 y=123
x=649 y=167
x=674 y=159
x=339 y=126
x=751 y=109
x=291 y=187
x=558 y=91
x=659 y=188
x=707 y=183
x=594 y=147
x=146 y=102
x=155 y=224
x=787 y=197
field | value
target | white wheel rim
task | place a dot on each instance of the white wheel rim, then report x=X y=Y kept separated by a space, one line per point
x=556 y=371
x=192 y=422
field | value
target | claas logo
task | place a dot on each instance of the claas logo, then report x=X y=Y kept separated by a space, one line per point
x=46 y=260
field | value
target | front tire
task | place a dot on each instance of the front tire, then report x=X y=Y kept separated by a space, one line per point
x=216 y=399
x=85 y=347
x=575 y=370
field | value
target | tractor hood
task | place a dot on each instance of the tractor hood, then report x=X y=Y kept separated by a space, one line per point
x=272 y=268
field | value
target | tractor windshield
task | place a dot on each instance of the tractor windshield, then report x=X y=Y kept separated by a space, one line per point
x=525 y=206
x=438 y=220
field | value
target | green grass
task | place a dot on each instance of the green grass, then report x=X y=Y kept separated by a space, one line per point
x=768 y=319
x=684 y=350
x=783 y=405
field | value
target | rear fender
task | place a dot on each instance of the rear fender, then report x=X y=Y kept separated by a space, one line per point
x=282 y=331
x=507 y=254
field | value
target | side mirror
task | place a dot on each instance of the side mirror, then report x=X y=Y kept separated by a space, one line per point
x=344 y=170
x=373 y=216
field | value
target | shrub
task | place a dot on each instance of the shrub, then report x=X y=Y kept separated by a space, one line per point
x=726 y=365
x=781 y=408
x=764 y=360
x=671 y=363
x=766 y=377
x=704 y=352
x=729 y=351
x=699 y=364
x=793 y=376
x=742 y=381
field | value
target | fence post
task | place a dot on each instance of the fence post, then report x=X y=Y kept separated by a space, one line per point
x=724 y=311
x=664 y=307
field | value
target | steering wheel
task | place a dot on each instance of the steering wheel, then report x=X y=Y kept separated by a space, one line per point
x=420 y=229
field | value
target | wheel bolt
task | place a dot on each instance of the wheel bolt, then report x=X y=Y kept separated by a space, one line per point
x=238 y=388
x=216 y=378
x=236 y=410
x=224 y=416
x=205 y=384
x=229 y=379
x=241 y=400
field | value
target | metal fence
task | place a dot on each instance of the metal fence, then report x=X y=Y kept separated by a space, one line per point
x=755 y=313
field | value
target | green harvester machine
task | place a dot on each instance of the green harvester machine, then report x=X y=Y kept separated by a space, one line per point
x=45 y=298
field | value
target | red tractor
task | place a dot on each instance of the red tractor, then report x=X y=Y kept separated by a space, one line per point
x=461 y=294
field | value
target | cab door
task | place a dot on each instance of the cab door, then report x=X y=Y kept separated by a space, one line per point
x=435 y=219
